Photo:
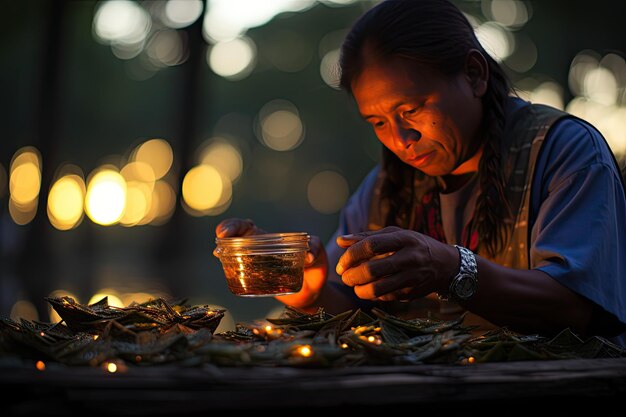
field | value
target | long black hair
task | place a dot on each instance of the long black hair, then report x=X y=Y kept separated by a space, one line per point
x=437 y=34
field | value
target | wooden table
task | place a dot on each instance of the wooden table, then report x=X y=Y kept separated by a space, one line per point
x=502 y=388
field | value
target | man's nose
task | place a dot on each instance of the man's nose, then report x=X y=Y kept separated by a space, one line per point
x=404 y=136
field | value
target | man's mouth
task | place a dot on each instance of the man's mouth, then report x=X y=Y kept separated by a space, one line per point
x=421 y=159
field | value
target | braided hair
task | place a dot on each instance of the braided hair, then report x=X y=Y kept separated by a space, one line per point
x=437 y=34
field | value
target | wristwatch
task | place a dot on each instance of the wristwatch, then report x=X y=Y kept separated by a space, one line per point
x=464 y=285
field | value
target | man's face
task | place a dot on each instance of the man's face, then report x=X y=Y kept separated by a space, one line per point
x=429 y=120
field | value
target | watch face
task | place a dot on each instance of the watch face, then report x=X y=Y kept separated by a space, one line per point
x=465 y=286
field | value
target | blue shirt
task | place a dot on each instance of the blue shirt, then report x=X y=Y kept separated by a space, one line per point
x=577 y=216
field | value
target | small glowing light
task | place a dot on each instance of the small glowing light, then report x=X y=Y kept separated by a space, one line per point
x=54 y=316
x=224 y=156
x=601 y=86
x=279 y=126
x=138 y=201
x=25 y=178
x=227 y=19
x=66 y=201
x=42 y=334
x=471 y=359
x=510 y=13
x=158 y=154
x=112 y=299
x=371 y=339
x=498 y=42
x=327 y=191
x=181 y=13
x=232 y=59
x=106 y=197
x=344 y=346
x=329 y=69
x=584 y=62
x=22 y=215
x=163 y=203
x=23 y=309
x=121 y=21
x=549 y=93
x=304 y=351
x=95 y=337
x=40 y=365
x=111 y=367
x=25 y=183
x=166 y=48
x=268 y=328
x=202 y=187
x=138 y=171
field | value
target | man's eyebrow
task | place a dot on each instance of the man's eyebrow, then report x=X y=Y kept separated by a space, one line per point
x=393 y=108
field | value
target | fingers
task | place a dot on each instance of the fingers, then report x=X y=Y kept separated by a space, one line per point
x=377 y=267
x=345 y=241
x=315 y=248
x=366 y=248
x=237 y=227
x=395 y=287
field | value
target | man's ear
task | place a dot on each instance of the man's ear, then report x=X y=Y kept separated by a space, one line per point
x=477 y=72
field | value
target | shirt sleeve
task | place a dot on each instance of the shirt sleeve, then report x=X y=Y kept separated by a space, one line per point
x=352 y=219
x=578 y=215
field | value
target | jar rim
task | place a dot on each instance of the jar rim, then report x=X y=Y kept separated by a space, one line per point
x=280 y=239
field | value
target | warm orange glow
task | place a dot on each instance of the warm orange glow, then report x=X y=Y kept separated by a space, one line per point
x=23 y=309
x=40 y=365
x=112 y=298
x=304 y=351
x=471 y=359
x=111 y=367
x=224 y=157
x=22 y=215
x=203 y=187
x=139 y=171
x=158 y=154
x=106 y=197
x=25 y=176
x=54 y=316
x=138 y=203
x=65 y=202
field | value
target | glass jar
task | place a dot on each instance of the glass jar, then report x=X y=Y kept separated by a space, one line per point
x=263 y=265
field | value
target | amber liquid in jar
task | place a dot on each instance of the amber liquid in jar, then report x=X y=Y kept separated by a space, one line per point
x=264 y=275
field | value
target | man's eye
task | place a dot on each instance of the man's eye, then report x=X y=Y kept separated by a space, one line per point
x=410 y=111
x=379 y=124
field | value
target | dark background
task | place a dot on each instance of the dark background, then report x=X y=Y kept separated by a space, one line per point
x=66 y=94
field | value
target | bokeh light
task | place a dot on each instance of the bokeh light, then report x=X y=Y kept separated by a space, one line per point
x=233 y=59
x=157 y=153
x=24 y=184
x=224 y=156
x=106 y=197
x=329 y=69
x=66 y=202
x=181 y=13
x=166 y=48
x=54 y=316
x=112 y=296
x=205 y=189
x=225 y=20
x=497 y=41
x=24 y=309
x=327 y=192
x=279 y=126
x=121 y=21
